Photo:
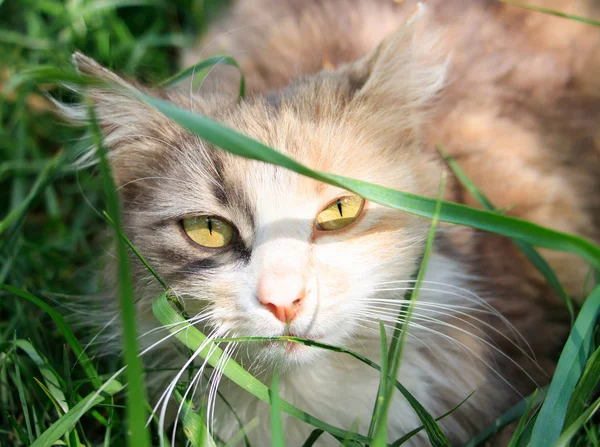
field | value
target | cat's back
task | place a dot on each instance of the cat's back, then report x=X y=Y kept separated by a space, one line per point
x=276 y=41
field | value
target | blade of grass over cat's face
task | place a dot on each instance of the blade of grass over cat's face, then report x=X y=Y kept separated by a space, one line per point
x=135 y=251
x=136 y=411
x=571 y=364
x=239 y=144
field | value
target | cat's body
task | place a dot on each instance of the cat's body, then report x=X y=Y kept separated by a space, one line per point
x=517 y=104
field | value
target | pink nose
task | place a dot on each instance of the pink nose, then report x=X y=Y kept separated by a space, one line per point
x=282 y=295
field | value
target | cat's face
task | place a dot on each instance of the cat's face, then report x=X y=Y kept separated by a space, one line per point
x=259 y=250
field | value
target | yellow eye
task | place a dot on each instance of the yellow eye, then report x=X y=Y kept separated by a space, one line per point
x=208 y=231
x=340 y=213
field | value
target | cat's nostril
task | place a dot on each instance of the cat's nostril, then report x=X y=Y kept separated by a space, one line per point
x=282 y=296
x=284 y=312
x=271 y=308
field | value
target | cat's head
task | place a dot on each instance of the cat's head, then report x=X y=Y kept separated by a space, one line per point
x=258 y=249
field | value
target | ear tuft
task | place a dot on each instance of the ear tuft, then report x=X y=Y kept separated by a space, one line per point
x=89 y=67
x=121 y=116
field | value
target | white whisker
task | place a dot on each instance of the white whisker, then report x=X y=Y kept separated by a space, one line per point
x=455 y=314
x=476 y=299
x=485 y=342
x=164 y=398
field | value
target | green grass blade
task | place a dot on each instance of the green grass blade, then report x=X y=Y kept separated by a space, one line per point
x=534 y=257
x=383 y=375
x=84 y=360
x=108 y=432
x=553 y=12
x=49 y=395
x=17 y=428
x=314 y=436
x=243 y=433
x=135 y=251
x=565 y=439
x=202 y=65
x=510 y=416
x=193 y=339
x=277 y=438
x=67 y=421
x=523 y=421
x=523 y=440
x=51 y=378
x=572 y=361
x=21 y=391
x=398 y=442
x=435 y=434
x=584 y=391
x=43 y=179
x=136 y=410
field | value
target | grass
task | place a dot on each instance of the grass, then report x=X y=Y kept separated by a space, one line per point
x=51 y=218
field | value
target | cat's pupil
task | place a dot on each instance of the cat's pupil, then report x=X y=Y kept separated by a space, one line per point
x=209 y=224
x=339 y=206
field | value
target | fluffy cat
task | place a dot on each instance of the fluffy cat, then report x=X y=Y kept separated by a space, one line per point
x=346 y=86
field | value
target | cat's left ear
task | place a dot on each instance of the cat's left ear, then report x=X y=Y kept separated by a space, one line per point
x=125 y=121
x=405 y=70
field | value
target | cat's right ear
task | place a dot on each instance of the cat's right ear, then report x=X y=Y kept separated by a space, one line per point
x=114 y=107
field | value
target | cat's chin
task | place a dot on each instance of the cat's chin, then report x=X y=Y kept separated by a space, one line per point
x=285 y=355
x=291 y=354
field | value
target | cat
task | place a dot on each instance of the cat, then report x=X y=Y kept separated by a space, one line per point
x=366 y=89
